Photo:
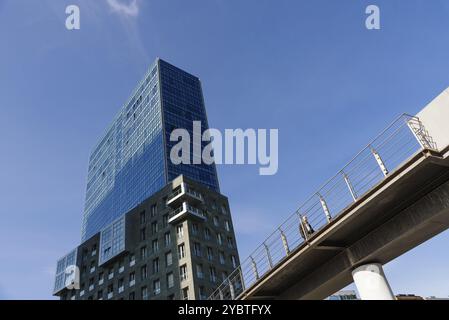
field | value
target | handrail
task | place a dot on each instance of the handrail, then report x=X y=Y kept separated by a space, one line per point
x=386 y=153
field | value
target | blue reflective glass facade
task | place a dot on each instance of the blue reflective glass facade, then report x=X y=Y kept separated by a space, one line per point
x=132 y=160
x=183 y=103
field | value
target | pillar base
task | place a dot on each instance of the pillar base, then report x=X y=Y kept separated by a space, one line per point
x=371 y=282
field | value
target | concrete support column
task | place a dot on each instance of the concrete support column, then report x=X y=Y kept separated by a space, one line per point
x=371 y=282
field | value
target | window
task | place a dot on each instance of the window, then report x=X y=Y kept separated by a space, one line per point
x=210 y=254
x=132 y=296
x=167 y=239
x=121 y=266
x=207 y=234
x=142 y=234
x=153 y=210
x=110 y=291
x=197 y=249
x=224 y=275
x=199 y=271
x=212 y=274
x=170 y=280
x=227 y=225
x=230 y=243
x=132 y=259
x=224 y=210
x=155 y=265
x=165 y=220
x=195 y=229
x=100 y=295
x=154 y=227
x=155 y=245
x=168 y=259
x=111 y=273
x=143 y=217
x=202 y=293
x=216 y=222
x=132 y=279
x=156 y=287
x=234 y=261
x=222 y=257
x=183 y=272
x=181 y=251
x=219 y=238
x=121 y=285
x=185 y=293
x=180 y=231
x=144 y=272
x=143 y=252
x=144 y=291
x=112 y=240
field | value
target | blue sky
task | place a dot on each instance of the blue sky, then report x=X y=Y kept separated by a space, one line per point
x=309 y=68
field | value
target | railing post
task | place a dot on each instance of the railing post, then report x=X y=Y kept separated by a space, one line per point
x=267 y=250
x=350 y=187
x=302 y=231
x=284 y=242
x=220 y=294
x=241 y=279
x=419 y=135
x=379 y=161
x=256 y=272
x=325 y=208
x=231 y=290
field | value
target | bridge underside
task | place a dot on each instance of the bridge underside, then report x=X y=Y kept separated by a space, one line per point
x=406 y=209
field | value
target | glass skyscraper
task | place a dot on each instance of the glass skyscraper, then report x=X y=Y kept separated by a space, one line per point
x=132 y=159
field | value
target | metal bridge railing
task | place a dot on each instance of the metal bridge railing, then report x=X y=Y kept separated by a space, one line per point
x=386 y=153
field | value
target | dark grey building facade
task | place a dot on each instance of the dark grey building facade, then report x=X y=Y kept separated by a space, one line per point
x=177 y=244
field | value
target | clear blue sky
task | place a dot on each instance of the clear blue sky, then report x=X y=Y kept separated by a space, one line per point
x=309 y=68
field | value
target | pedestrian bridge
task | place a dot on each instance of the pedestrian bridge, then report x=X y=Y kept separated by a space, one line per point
x=392 y=196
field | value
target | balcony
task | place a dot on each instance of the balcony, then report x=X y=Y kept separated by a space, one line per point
x=91 y=287
x=183 y=193
x=100 y=282
x=121 y=269
x=81 y=293
x=132 y=283
x=111 y=275
x=121 y=289
x=110 y=295
x=184 y=211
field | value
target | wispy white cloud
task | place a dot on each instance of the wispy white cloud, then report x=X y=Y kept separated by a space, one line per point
x=128 y=8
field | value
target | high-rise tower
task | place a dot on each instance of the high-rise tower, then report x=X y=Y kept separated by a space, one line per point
x=151 y=229
x=132 y=160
